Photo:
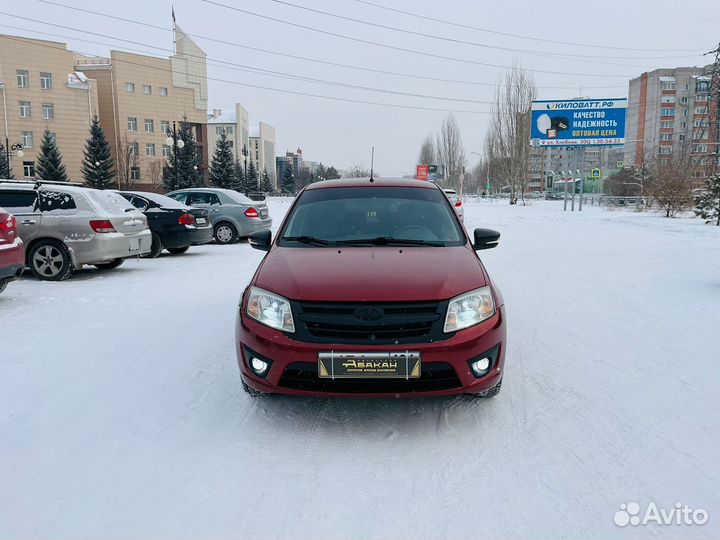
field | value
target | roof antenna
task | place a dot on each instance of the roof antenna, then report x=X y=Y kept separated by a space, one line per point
x=372 y=162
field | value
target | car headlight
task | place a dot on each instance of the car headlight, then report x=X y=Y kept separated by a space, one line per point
x=469 y=309
x=270 y=309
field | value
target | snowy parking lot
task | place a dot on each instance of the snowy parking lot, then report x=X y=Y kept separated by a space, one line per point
x=122 y=414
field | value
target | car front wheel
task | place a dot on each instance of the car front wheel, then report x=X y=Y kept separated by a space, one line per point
x=178 y=251
x=50 y=260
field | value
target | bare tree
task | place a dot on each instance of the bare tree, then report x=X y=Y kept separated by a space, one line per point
x=508 y=137
x=450 y=152
x=671 y=186
x=427 y=152
x=127 y=159
x=155 y=170
x=358 y=171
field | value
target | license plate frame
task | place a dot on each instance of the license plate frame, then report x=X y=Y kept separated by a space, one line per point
x=369 y=365
x=134 y=244
x=201 y=221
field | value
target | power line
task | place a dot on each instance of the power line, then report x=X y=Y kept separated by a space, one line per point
x=280 y=90
x=262 y=71
x=305 y=58
x=519 y=36
x=401 y=49
x=583 y=57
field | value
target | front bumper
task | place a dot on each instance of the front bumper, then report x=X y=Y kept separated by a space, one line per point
x=105 y=247
x=290 y=357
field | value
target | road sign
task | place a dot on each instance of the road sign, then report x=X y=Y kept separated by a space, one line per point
x=578 y=122
x=596 y=173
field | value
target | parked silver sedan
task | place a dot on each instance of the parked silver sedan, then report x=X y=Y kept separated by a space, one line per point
x=232 y=214
x=65 y=227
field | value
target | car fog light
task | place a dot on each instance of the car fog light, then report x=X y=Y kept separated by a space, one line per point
x=481 y=366
x=258 y=366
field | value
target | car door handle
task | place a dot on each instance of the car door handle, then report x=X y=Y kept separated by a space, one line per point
x=28 y=222
x=214 y=211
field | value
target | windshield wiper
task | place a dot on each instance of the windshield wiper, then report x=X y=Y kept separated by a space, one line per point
x=307 y=240
x=389 y=241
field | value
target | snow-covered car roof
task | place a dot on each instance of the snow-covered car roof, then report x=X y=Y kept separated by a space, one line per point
x=61 y=188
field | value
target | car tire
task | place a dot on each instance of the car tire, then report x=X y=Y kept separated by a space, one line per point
x=251 y=391
x=225 y=233
x=110 y=264
x=49 y=260
x=155 y=248
x=178 y=251
x=3 y=285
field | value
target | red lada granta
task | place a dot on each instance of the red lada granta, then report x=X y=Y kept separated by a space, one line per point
x=372 y=288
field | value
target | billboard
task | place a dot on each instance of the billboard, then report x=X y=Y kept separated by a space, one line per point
x=578 y=122
x=429 y=172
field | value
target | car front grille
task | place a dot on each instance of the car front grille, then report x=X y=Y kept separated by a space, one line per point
x=434 y=377
x=415 y=322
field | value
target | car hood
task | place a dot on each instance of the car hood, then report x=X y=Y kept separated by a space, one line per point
x=378 y=274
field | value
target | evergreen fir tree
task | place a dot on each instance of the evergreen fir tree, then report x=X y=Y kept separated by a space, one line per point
x=239 y=176
x=287 y=182
x=266 y=185
x=50 y=165
x=5 y=169
x=222 y=167
x=250 y=183
x=708 y=203
x=97 y=167
x=181 y=172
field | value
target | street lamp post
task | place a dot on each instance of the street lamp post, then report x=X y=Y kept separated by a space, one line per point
x=177 y=143
x=245 y=159
x=10 y=149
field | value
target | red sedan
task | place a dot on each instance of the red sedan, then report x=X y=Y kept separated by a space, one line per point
x=12 y=250
x=372 y=288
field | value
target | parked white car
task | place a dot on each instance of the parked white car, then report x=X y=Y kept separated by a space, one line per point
x=65 y=227
x=456 y=202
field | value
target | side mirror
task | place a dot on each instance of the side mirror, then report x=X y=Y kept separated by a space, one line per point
x=261 y=240
x=486 y=239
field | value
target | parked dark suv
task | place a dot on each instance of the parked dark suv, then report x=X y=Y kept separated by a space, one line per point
x=372 y=288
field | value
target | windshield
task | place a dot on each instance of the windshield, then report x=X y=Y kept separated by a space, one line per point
x=372 y=216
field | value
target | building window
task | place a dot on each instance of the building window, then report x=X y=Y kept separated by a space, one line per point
x=681 y=137
x=219 y=130
x=147 y=89
x=687 y=86
x=701 y=110
x=166 y=151
x=163 y=91
x=149 y=125
x=667 y=112
x=27 y=139
x=150 y=149
x=666 y=136
x=665 y=150
x=683 y=125
x=48 y=111
x=25 y=109
x=684 y=100
x=130 y=87
x=29 y=169
x=133 y=149
x=699 y=148
x=23 y=78
x=685 y=111
x=134 y=173
x=132 y=124
x=667 y=124
x=701 y=97
x=230 y=130
x=702 y=86
x=46 y=81
x=164 y=126
x=668 y=85
x=230 y=143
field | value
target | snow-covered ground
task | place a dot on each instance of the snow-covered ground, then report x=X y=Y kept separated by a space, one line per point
x=122 y=415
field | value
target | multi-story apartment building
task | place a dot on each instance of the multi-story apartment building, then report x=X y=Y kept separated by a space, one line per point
x=42 y=89
x=262 y=149
x=141 y=97
x=235 y=124
x=668 y=117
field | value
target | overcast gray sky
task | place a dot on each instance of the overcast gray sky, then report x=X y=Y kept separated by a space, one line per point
x=665 y=33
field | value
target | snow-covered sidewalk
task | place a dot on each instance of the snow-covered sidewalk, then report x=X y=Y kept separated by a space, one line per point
x=122 y=415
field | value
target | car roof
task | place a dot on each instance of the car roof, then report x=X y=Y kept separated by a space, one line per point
x=61 y=188
x=375 y=182
x=209 y=189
